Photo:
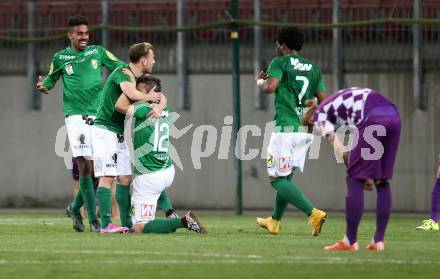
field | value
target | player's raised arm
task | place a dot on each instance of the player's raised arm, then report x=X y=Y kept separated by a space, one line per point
x=129 y=89
x=268 y=85
x=268 y=82
x=158 y=108
x=49 y=82
x=109 y=60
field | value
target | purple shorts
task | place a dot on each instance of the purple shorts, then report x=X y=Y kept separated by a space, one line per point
x=373 y=157
x=75 y=171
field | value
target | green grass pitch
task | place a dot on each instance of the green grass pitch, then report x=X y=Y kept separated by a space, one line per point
x=34 y=245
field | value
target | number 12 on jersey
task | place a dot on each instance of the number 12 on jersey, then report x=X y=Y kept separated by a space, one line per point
x=161 y=136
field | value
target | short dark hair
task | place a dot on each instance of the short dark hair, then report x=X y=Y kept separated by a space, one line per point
x=149 y=82
x=77 y=20
x=138 y=50
x=291 y=36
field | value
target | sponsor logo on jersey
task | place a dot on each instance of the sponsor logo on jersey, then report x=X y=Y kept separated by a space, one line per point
x=114 y=158
x=66 y=57
x=147 y=211
x=162 y=156
x=286 y=164
x=94 y=63
x=69 y=69
x=82 y=139
x=110 y=55
x=90 y=52
x=300 y=66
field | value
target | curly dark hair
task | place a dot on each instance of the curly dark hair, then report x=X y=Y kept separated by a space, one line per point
x=291 y=36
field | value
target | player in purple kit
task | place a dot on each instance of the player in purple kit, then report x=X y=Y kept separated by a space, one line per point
x=370 y=162
x=431 y=224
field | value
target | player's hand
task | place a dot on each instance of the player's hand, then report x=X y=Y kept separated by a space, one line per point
x=368 y=184
x=310 y=103
x=130 y=74
x=261 y=75
x=156 y=111
x=153 y=96
x=40 y=87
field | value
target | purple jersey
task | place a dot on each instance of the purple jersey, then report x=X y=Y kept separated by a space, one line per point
x=346 y=107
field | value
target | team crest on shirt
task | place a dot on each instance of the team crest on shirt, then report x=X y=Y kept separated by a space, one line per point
x=269 y=161
x=69 y=69
x=94 y=63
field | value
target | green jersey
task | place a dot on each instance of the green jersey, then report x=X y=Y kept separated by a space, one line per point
x=107 y=116
x=82 y=77
x=151 y=140
x=300 y=80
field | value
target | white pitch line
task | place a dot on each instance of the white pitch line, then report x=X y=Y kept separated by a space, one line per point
x=33 y=221
x=116 y=252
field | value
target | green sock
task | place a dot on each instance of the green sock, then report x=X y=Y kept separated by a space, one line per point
x=280 y=203
x=124 y=202
x=77 y=202
x=164 y=202
x=163 y=226
x=105 y=204
x=292 y=194
x=86 y=188
x=280 y=207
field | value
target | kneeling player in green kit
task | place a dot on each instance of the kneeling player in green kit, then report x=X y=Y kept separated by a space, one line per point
x=152 y=164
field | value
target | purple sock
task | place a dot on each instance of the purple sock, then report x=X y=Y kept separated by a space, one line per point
x=354 y=207
x=435 y=200
x=383 y=210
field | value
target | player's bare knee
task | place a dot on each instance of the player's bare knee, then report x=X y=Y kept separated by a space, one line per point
x=124 y=179
x=438 y=173
x=106 y=181
x=139 y=228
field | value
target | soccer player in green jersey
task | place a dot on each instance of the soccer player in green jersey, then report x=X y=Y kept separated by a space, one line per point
x=80 y=68
x=152 y=164
x=294 y=80
x=110 y=151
